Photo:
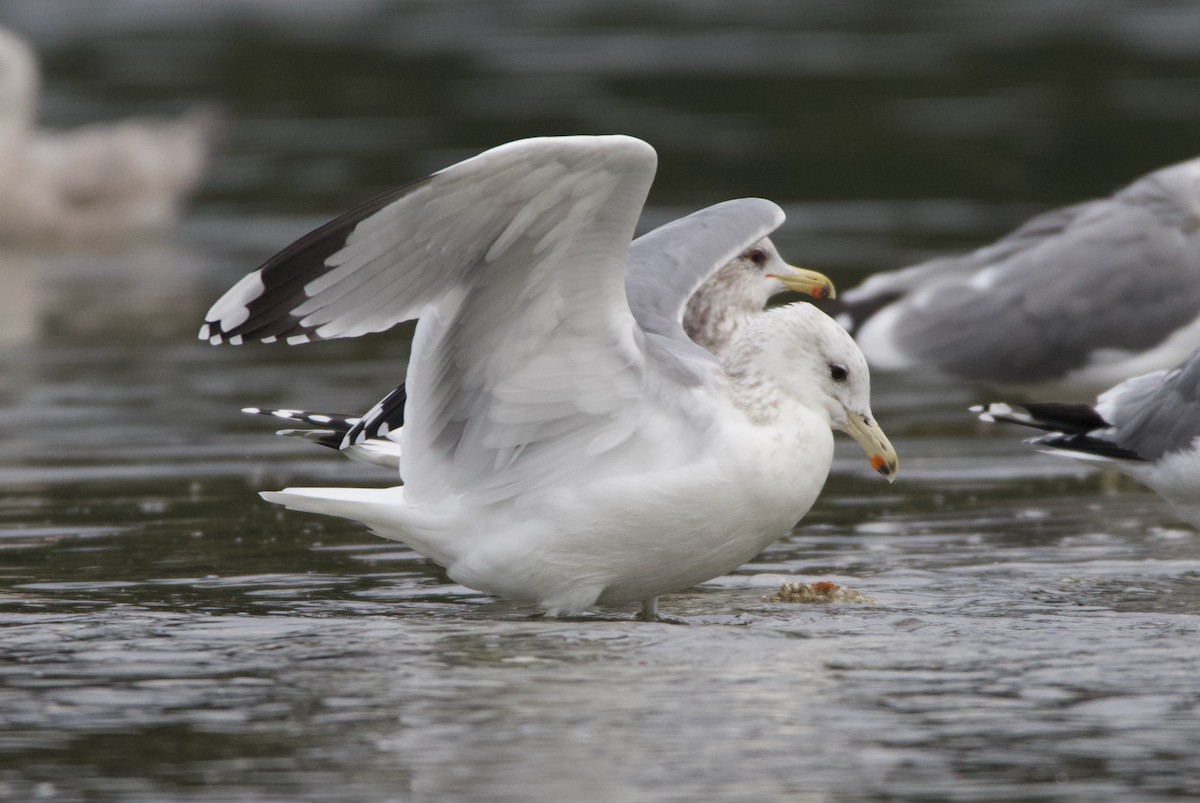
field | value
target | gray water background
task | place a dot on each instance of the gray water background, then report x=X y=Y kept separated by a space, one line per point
x=165 y=635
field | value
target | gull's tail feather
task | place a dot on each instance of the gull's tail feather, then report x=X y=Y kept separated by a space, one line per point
x=362 y=504
x=384 y=510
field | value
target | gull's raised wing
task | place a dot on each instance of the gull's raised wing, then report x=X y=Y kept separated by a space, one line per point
x=384 y=261
x=667 y=265
x=526 y=354
x=664 y=269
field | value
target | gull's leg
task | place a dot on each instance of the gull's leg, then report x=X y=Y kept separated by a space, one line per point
x=649 y=612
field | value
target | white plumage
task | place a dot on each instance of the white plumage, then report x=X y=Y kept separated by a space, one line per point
x=563 y=443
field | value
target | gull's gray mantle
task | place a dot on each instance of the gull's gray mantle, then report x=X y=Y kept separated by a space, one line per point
x=1081 y=297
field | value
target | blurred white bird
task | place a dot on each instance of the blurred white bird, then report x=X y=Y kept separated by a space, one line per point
x=105 y=181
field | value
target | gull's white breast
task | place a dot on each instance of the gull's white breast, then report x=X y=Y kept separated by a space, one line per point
x=635 y=535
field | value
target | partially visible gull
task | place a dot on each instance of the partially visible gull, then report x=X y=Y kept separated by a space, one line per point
x=102 y=181
x=1147 y=427
x=1076 y=299
x=720 y=308
x=564 y=442
x=733 y=296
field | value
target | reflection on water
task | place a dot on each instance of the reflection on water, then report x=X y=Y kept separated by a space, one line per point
x=165 y=635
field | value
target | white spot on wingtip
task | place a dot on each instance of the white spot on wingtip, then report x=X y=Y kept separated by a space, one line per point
x=320 y=419
x=236 y=340
x=296 y=340
x=205 y=332
x=233 y=308
x=252 y=410
x=215 y=340
x=269 y=339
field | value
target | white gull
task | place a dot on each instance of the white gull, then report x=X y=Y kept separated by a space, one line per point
x=564 y=443
x=104 y=181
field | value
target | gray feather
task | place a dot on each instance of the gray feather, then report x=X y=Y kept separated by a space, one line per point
x=666 y=266
x=1158 y=413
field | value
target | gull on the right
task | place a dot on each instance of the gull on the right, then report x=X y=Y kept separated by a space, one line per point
x=1147 y=427
x=1072 y=302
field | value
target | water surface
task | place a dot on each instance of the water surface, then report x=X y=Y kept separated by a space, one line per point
x=166 y=635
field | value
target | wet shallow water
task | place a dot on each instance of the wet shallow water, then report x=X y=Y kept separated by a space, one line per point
x=165 y=635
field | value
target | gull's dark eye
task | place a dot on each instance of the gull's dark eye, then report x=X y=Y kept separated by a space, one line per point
x=838 y=372
x=757 y=256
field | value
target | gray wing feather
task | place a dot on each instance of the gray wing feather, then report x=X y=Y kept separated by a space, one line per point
x=1116 y=278
x=666 y=266
x=1157 y=413
x=371 y=268
x=897 y=283
x=1120 y=273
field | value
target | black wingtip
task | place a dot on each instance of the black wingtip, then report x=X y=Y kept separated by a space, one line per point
x=387 y=416
x=329 y=438
x=1086 y=444
x=1067 y=418
x=261 y=306
x=329 y=429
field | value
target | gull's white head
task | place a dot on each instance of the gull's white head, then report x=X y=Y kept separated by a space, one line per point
x=805 y=355
x=740 y=289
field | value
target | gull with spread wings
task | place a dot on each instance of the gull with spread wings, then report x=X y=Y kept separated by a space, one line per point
x=732 y=297
x=564 y=441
